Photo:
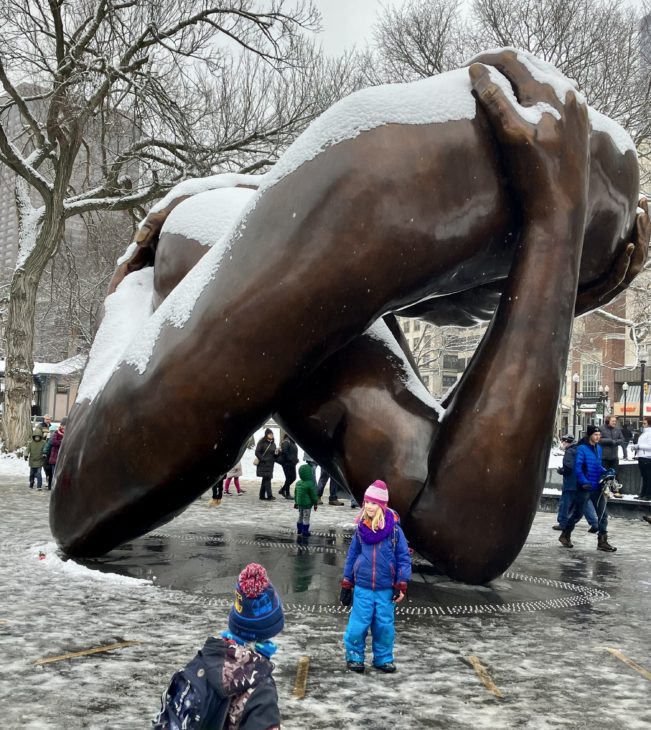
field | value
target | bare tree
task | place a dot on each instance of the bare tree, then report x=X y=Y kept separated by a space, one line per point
x=126 y=98
x=415 y=40
x=598 y=43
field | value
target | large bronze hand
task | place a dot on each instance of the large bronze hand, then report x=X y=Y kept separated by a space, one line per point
x=488 y=460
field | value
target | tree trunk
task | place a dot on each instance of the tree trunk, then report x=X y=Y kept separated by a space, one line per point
x=19 y=366
x=19 y=334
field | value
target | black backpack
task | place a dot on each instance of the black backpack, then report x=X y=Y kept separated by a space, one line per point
x=190 y=703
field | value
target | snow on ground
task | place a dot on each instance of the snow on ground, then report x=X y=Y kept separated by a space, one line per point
x=551 y=664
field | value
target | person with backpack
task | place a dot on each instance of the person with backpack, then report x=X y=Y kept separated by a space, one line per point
x=378 y=568
x=229 y=684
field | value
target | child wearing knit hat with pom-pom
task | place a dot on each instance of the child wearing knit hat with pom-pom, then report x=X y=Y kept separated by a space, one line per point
x=228 y=684
x=378 y=567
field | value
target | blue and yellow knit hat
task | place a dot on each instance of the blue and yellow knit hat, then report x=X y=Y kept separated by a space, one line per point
x=257 y=613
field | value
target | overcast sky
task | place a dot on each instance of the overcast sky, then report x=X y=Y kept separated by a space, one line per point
x=347 y=22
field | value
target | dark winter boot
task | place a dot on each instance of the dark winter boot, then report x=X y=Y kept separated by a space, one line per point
x=306 y=530
x=31 y=485
x=565 y=539
x=603 y=544
x=299 y=528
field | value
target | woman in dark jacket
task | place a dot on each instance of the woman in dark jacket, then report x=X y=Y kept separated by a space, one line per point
x=266 y=452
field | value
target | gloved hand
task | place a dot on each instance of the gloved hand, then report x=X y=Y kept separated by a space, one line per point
x=295 y=505
x=586 y=487
x=559 y=470
x=399 y=591
x=315 y=506
x=346 y=595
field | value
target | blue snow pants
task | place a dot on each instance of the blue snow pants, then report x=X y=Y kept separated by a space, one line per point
x=374 y=610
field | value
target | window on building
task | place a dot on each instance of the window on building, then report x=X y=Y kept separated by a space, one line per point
x=406 y=326
x=447 y=381
x=590 y=378
x=417 y=325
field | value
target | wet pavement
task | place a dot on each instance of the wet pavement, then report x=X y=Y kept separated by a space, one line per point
x=563 y=635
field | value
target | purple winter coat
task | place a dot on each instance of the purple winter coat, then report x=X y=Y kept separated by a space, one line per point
x=55 y=444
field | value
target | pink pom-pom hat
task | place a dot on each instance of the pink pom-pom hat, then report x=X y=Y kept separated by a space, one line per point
x=377 y=493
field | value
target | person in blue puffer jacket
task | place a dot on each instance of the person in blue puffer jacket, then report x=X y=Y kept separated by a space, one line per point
x=589 y=471
x=378 y=567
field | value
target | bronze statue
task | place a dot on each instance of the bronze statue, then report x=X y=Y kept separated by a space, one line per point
x=450 y=221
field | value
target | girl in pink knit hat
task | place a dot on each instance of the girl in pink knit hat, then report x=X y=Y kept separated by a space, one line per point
x=378 y=567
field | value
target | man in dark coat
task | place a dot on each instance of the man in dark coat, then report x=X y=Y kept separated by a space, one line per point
x=267 y=453
x=611 y=439
x=288 y=460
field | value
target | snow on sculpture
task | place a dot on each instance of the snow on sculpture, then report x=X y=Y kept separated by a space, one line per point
x=459 y=198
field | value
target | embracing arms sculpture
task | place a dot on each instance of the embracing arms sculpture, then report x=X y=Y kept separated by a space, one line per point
x=436 y=199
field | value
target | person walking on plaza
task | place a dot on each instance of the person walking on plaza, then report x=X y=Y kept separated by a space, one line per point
x=589 y=471
x=378 y=569
x=266 y=454
x=35 y=459
x=234 y=475
x=51 y=449
x=229 y=683
x=611 y=439
x=217 y=493
x=44 y=424
x=288 y=460
x=323 y=482
x=568 y=493
x=642 y=451
x=305 y=499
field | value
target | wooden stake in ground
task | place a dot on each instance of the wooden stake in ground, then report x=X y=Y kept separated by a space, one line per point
x=301 y=678
x=630 y=663
x=485 y=677
x=86 y=652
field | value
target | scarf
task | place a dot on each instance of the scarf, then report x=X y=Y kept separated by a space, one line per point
x=370 y=537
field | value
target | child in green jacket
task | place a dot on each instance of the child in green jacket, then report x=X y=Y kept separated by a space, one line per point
x=305 y=497
x=35 y=458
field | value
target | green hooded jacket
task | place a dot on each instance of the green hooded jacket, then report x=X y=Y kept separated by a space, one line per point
x=305 y=495
x=34 y=449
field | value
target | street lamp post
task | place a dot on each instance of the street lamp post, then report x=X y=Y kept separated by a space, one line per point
x=625 y=392
x=575 y=380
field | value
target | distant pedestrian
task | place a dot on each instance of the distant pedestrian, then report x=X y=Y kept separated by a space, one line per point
x=266 y=454
x=53 y=445
x=229 y=683
x=305 y=499
x=234 y=475
x=323 y=482
x=217 y=493
x=288 y=460
x=642 y=451
x=612 y=439
x=44 y=424
x=378 y=568
x=35 y=458
x=627 y=434
x=589 y=471
x=568 y=494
